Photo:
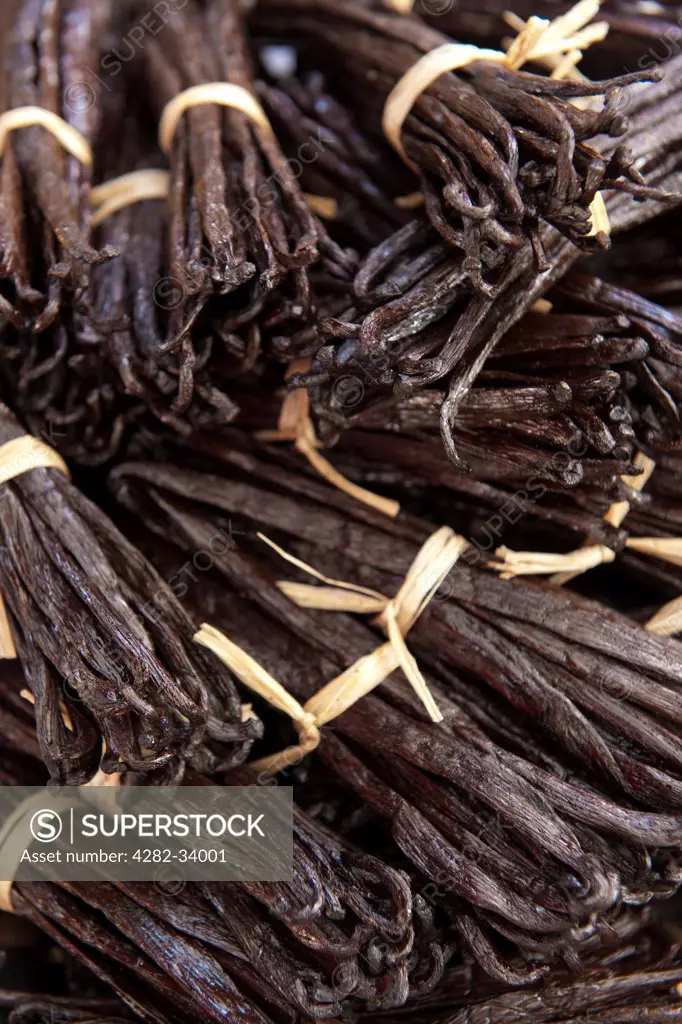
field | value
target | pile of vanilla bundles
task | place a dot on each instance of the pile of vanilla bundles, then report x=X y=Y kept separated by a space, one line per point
x=341 y=449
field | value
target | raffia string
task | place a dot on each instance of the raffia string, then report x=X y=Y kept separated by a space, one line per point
x=68 y=136
x=22 y=455
x=136 y=187
x=560 y=65
x=223 y=94
x=324 y=206
x=566 y=567
x=266 y=686
x=556 y=45
x=615 y=515
x=412 y=201
x=141 y=186
x=538 y=563
x=668 y=620
x=296 y=425
x=533 y=563
x=396 y=616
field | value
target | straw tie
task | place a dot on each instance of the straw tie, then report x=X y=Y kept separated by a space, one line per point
x=19 y=456
x=556 y=45
x=296 y=425
x=565 y=568
x=222 y=94
x=396 y=616
x=141 y=186
x=27 y=117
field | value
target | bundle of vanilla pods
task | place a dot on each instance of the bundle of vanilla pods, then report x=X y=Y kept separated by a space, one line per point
x=50 y=55
x=639 y=36
x=235 y=272
x=529 y=680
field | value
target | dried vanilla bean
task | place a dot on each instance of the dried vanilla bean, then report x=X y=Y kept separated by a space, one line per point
x=496 y=150
x=455 y=637
x=248 y=945
x=45 y=248
x=238 y=216
x=423 y=326
x=147 y=992
x=639 y=979
x=79 y=598
x=659 y=385
x=360 y=176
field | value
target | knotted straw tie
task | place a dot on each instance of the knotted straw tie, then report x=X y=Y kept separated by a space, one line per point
x=556 y=44
x=138 y=186
x=667 y=620
x=142 y=185
x=105 y=199
x=565 y=568
x=395 y=615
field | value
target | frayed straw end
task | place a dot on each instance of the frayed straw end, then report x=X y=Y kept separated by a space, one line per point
x=669 y=549
x=534 y=563
x=600 y=218
x=330 y=599
x=324 y=206
x=248 y=670
x=668 y=620
x=410 y=667
x=8 y=650
x=306 y=444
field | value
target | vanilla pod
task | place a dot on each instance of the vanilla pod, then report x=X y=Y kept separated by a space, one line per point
x=496 y=150
x=21 y=757
x=654 y=408
x=502 y=750
x=638 y=979
x=80 y=608
x=363 y=177
x=421 y=322
x=45 y=248
x=144 y=989
x=238 y=217
x=254 y=948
